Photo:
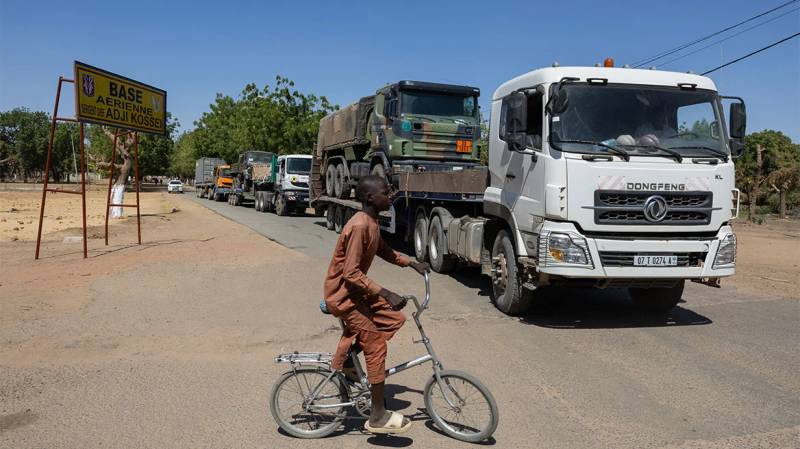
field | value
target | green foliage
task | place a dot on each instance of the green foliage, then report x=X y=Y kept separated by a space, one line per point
x=154 y=151
x=182 y=161
x=279 y=119
x=780 y=165
x=24 y=137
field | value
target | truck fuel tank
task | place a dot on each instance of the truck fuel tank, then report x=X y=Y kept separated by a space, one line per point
x=465 y=237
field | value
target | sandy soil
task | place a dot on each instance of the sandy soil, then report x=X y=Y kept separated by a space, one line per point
x=20 y=205
x=768 y=258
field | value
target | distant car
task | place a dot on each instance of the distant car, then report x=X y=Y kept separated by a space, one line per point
x=175 y=186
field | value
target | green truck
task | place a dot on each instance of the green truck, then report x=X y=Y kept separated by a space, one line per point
x=408 y=126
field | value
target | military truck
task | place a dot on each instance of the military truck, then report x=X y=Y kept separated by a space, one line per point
x=598 y=177
x=406 y=126
x=252 y=173
x=406 y=129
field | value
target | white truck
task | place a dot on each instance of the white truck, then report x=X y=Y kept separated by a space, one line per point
x=598 y=176
x=285 y=190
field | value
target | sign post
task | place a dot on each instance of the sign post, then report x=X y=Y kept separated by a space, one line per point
x=105 y=98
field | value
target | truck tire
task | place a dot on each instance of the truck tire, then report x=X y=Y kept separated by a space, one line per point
x=339 y=183
x=506 y=286
x=420 y=236
x=657 y=300
x=330 y=224
x=338 y=219
x=441 y=262
x=281 y=208
x=330 y=180
x=210 y=194
x=257 y=204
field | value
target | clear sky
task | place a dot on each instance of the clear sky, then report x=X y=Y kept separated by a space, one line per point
x=346 y=50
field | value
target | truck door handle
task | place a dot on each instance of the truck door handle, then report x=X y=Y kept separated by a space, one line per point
x=510 y=175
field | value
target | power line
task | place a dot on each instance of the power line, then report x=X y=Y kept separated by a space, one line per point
x=752 y=53
x=664 y=64
x=696 y=41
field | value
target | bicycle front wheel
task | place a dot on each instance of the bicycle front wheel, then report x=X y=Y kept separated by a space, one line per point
x=292 y=407
x=473 y=415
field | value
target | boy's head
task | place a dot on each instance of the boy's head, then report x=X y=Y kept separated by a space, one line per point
x=374 y=191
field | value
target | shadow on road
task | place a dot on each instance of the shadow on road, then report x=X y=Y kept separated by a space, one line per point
x=586 y=308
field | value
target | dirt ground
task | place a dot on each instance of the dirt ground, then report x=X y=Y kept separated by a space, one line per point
x=20 y=205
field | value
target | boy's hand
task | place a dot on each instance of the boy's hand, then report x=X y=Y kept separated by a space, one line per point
x=396 y=301
x=421 y=267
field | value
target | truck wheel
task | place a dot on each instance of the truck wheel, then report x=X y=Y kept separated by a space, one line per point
x=506 y=285
x=441 y=262
x=330 y=180
x=658 y=300
x=421 y=236
x=339 y=182
x=209 y=194
x=329 y=217
x=338 y=219
x=257 y=203
x=280 y=206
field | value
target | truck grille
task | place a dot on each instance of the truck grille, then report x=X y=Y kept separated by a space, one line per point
x=624 y=259
x=627 y=208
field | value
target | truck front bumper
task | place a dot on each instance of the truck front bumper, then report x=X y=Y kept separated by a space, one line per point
x=614 y=258
x=296 y=197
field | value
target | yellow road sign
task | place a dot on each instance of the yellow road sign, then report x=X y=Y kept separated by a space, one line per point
x=108 y=99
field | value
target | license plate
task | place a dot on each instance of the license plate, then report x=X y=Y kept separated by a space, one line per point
x=655 y=261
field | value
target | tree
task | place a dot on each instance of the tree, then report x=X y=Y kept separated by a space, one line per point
x=765 y=152
x=182 y=160
x=155 y=151
x=279 y=119
x=24 y=135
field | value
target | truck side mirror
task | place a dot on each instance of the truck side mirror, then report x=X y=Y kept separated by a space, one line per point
x=738 y=125
x=516 y=121
x=738 y=120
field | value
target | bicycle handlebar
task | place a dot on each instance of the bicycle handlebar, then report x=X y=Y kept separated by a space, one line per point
x=424 y=305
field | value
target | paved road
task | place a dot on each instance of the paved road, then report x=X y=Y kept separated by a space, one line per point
x=586 y=369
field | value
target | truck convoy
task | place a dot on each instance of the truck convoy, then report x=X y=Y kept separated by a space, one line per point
x=271 y=182
x=597 y=176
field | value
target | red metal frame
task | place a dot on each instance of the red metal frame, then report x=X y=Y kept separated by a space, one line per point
x=109 y=204
x=45 y=190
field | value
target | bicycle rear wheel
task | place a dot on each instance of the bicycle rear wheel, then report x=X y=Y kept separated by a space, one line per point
x=291 y=394
x=473 y=416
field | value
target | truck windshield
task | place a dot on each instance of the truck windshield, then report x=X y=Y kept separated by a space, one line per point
x=259 y=157
x=225 y=173
x=298 y=166
x=640 y=120
x=438 y=104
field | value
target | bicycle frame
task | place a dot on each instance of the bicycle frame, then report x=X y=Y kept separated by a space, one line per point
x=324 y=359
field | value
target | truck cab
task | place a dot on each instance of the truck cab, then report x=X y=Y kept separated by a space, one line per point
x=292 y=181
x=223 y=183
x=611 y=177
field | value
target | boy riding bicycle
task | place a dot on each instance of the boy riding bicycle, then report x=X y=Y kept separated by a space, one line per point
x=370 y=313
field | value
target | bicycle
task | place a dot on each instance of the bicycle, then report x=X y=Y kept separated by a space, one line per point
x=321 y=396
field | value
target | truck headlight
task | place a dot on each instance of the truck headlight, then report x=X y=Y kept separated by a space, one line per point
x=564 y=249
x=726 y=253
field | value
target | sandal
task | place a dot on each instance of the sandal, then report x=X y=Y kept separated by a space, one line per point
x=393 y=425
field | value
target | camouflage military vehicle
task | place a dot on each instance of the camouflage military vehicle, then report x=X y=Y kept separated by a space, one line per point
x=408 y=126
